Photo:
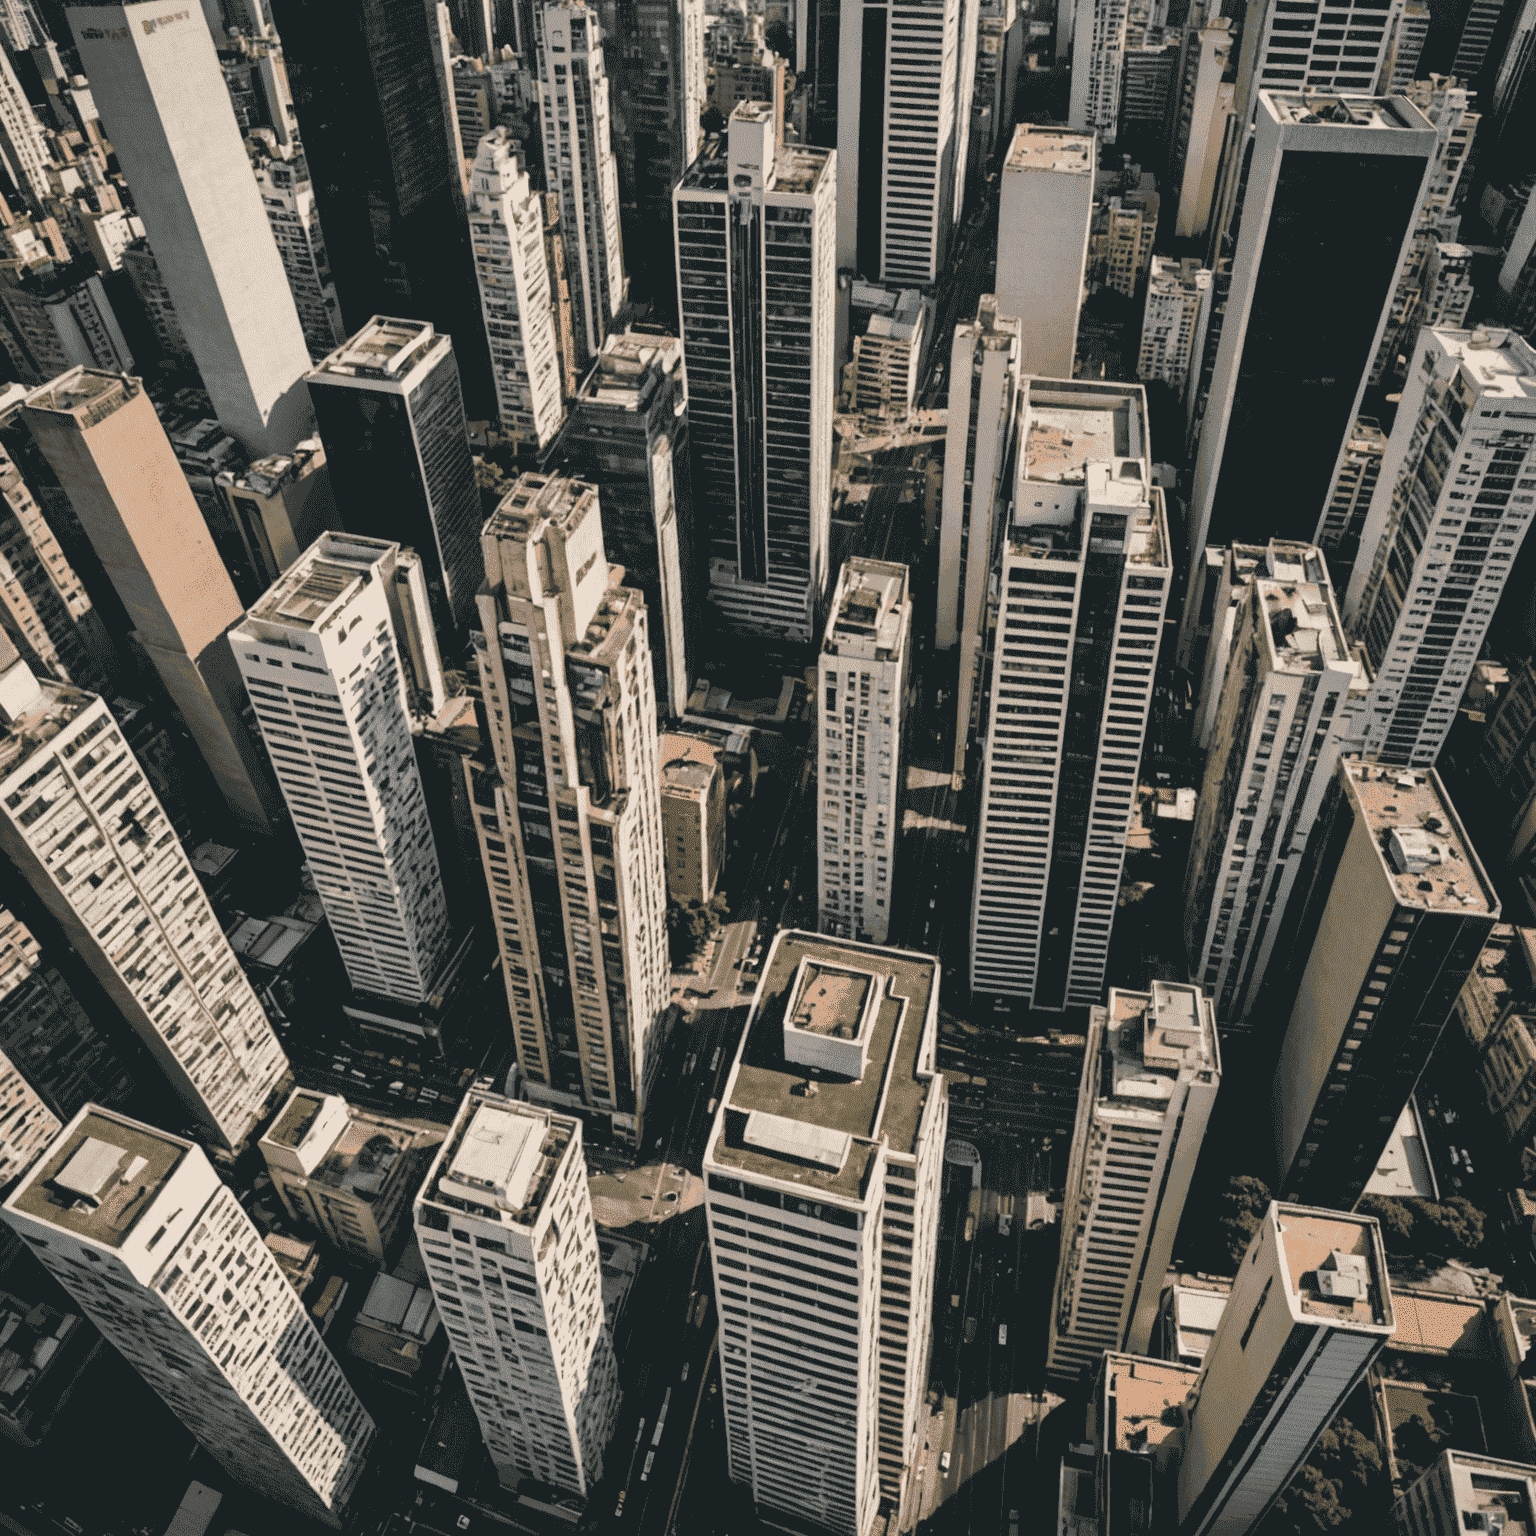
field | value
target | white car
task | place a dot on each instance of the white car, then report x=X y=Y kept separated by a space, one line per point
x=944 y=1463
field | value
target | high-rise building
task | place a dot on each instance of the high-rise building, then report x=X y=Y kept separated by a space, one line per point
x=128 y=901
x=1150 y=1075
x=103 y=441
x=1121 y=233
x=391 y=416
x=1451 y=508
x=1462 y=1491
x=148 y=283
x=898 y=143
x=758 y=216
x=863 y=671
x=1310 y=1310
x=278 y=506
x=1101 y=33
x=889 y=351
x=27 y=1126
x=629 y=434
x=1477 y=34
x=504 y=1223
x=579 y=167
x=24 y=151
x=1001 y=29
x=693 y=816
x=158 y=83
x=506 y=228
x=570 y=822
x=1389 y=924
x=1082 y=587
x=832 y=1119
x=56 y=318
x=1322 y=173
x=338 y=727
x=1044 y=213
x=23 y=25
x=1287 y=705
x=1405 y=43
x=1173 y=324
x=1349 y=502
x=289 y=201
x=129 y=1220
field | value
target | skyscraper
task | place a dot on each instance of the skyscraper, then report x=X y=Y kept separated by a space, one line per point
x=1102 y=33
x=757 y=215
x=1451 y=508
x=1200 y=110
x=103 y=441
x=23 y=146
x=157 y=80
x=863 y=673
x=1389 y=924
x=504 y=1222
x=1310 y=1310
x=579 y=167
x=59 y=317
x=392 y=419
x=1324 y=174
x=87 y=834
x=629 y=434
x=1081 y=591
x=1462 y=1491
x=1349 y=501
x=570 y=821
x=338 y=727
x=822 y=1183
x=125 y=1218
x=1173 y=324
x=506 y=227
x=289 y=201
x=27 y=1126
x=1150 y=1075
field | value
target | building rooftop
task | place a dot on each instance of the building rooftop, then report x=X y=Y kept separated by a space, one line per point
x=100 y=1177
x=358 y=1160
x=41 y=717
x=1489 y=1494
x=537 y=498
x=87 y=394
x=385 y=348
x=1500 y=363
x=1169 y=275
x=499 y=1160
x=625 y=374
x=1071 y=424
x=267 y=476
x=1403 y=1170
x=1153 y=1040
x=797 y=168
x=1425 y=852
x=870 y=611
x=804 y=1124
x=1335 y=1267
x=321 y=583
x=1144 y=1401
x=1051 y=149
x=687 y=775
x=1195 y=1312
x=1302 y=626
x=1341 y=109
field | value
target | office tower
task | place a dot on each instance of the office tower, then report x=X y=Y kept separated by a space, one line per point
x=278 y=506
x=825 y=1156
x=507 y=1192
x=757 y=215
x=693 y=817
x=629 y=434
x=1400 y=67
x=506 y=227
x=475 y=108
x=1517 y=272
x=1310 y=1310
x=999 y=55
x=1150 y=1075
x=385 y=169
x=1390 y=921
x=1146 y=81
x=560 y=293
x=1288 y=705
x=1101 y=33
x=57 y=318
x=24 y=153
x=175 y=978
x=1446 y=522
x=22 y=24
x=1082 y=586
x=579 y=167
x=289 y=202
x=347 y=1173
x=391 y=417
x=157 y=81
x=148 y=284
x=571 y=835
x=897 y=137
x=1044 y=212
x=1461 y=1492
x=1173 y=324
x=1325 y=174
x=1354 y=484
x=102 y=440
x=1477 y=34
x=863 y=671
x=129 y=1220
x=338 y=727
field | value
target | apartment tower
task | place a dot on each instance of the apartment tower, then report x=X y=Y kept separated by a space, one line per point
x=755 y=220
x=1349 y=501
x=570 y=818
x=863 y=672
x=157 y=81
x=822 y=1183
x=129 y=1220
x=1173 y=324
x=288 y=196
x=27 y=1126
x=1082 y=587
x=504 y=1224
x=1199 y=112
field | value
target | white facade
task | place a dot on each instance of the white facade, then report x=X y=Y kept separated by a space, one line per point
x=289 y=200
x=863 y=670
x=1204 y=104
x=1059 y=786
x=57 y=322
x=337 y=724
x=157 y=81
x=506 y=1196
x=1310 y=1310
x=1463 y=1492
x=138 y=1228
x=1044 y=214
x=1150 y=1076
x=1173 y=324
x=27 y=1126
x=506 y=227
x=23 y=149
x=1431 y=570
x=1349 y=501
x=579 y=167
x=1099 y=43
x=1400 y=68
x=822 y=1212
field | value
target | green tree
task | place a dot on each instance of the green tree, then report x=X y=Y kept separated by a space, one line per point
x=1397 y=1220
x=1240 y=1209
x=1344 y=1474
x=1452 y=1227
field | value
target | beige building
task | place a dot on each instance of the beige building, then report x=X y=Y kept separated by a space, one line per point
x=1464 y=1492
x=693 y=816
x=887 y=356
x=1174 y=321
x=1349 y=499
x=280 y=505
x=27 y=1126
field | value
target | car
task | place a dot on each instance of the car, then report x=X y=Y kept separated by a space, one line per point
x=1455 y=1158
x=340 y=1065
x=618 y=1509
x=650 y=1461
x=1466 y=1160
x=944 y=1463
x=429 y=1095
x=686 y=1364
x=463 y=1522
x=1002 y=1335
x=710 y=1108
x=396 y=1088
x=362 y=1077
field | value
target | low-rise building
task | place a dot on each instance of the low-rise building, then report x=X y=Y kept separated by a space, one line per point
x=1463 y=1492
x=889 y=352
x=43 y=1351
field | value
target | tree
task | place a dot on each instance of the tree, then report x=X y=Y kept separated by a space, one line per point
x=1240 y=1209
x=1396 y=1218
x=776 y=35
x=1342 y=1475
x=1453 y=1227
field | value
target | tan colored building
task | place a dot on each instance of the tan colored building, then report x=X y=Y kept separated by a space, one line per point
x=693 y=818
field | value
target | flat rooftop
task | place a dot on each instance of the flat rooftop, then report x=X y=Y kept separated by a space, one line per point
x=1304 y=631
x=498 y=1160
x=100 y=1178
x=1143 y=1397
x=1341 y=109
x=57 y=704
x=1050 y=149
x=686 y=774
x=886 y=1102
x=868 y=610
x=322 y=581
x=1334 y=1267
x=625 y=374
x=87 y=394
x=1425 y=852
x=1074 y=423
x=385 y=348
x=537 y=498
x=1501 y=363
x=1483 y=1485
x=362 y=1156
x=1152 y=1041
x=796 y=169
